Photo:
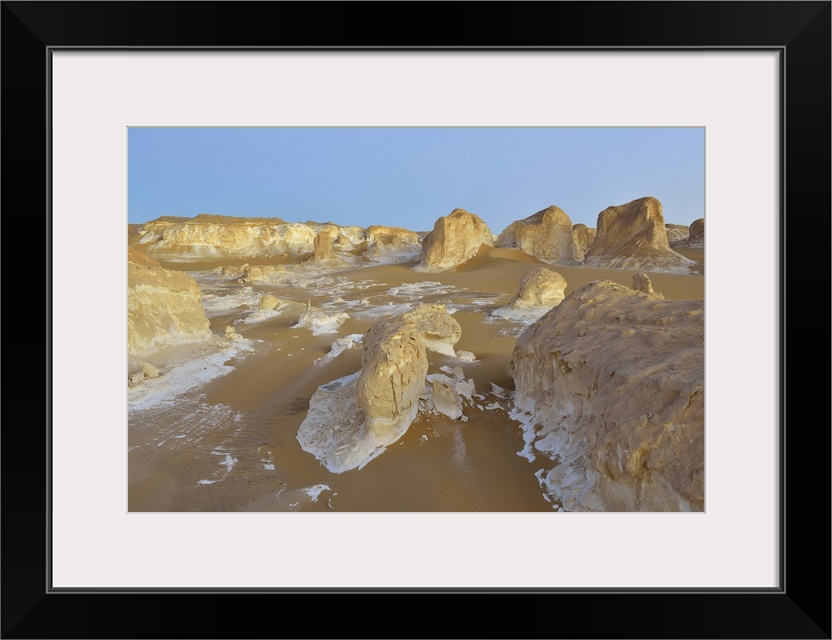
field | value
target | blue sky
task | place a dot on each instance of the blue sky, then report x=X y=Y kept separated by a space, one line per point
x=409 y=177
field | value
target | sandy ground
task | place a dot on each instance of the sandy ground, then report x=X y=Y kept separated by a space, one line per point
x=229 y=444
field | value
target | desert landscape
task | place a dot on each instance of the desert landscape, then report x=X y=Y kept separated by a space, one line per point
x=279 y=365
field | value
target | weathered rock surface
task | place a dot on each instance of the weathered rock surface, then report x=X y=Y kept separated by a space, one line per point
x=676 y=233
x=324 y=245
x=547 y=235
x=392 y=244
x=696 y=235
x=269 y=302
x=583 y=237
x=353 y=419
x=642 y=282
x=633 y=236
x=540 y=290
x=614 y=379
x=216 y=237
x=319 y=321
x=164 y=308
x=456 y=238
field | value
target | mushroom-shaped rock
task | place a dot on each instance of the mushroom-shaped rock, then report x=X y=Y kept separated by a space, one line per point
x=633 y=236
x=456 y=238
x=353 y=419
x=610 y=385
x=583 y=237
x=540 y=290
x=641 y=282
x=547 y=235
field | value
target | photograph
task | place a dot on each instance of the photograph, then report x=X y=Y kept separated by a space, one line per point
x=416 y=319
x=417 y=311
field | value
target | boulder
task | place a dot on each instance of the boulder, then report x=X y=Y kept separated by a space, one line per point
x=353 y=419
x=164 y=308
x=583 y=237
x=610 y=390
x=633 y=236
x=641 y=282
x=540 y=290
x=547 y=235
x=149 y=370
x=455 y=239
x=269 y=302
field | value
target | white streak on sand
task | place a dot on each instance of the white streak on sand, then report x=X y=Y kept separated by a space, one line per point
x=164 y=390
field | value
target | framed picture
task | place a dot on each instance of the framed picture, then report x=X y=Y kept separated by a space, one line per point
x=754 y=75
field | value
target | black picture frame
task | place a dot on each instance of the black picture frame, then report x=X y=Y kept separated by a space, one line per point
x=799 y=31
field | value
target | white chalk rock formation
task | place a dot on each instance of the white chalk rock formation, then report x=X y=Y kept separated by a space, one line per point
x=676 y=233
x=210 y=237
x=353 y=419
x=319 y=321
x=164 y=308
x=269 y=302
x=547 y=235
x=390 y=245
x=610 y=388
x=456 y=238
x=540 y=290
x=642 y=282
x=583 y=237
x=445 y=394
x=324 y=245
x=149 y=370
x=348 y=239
x=633 y=236
x=696 y=235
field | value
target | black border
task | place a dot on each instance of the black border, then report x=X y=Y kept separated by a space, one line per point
x=800 y=31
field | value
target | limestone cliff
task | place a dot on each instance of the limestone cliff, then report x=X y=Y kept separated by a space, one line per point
x=583 y=237
x=547 y=235
x=164 y=308
x=456 y=238
x=633 y=236
x=392 y=244
x=610 y=387
x=217 y=237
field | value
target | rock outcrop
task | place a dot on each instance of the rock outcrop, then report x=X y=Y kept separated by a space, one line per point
x=208 y=237
x=676 y=233
x=392 y=244
x=164 y=308
x=642 y=283
x=456 y=238
x=696 y=235
x=353 y=419
x=540 y=290
x=583 y=237
x=633 y=236
x=324 y=245
x=547 y=235
x=610 y=388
